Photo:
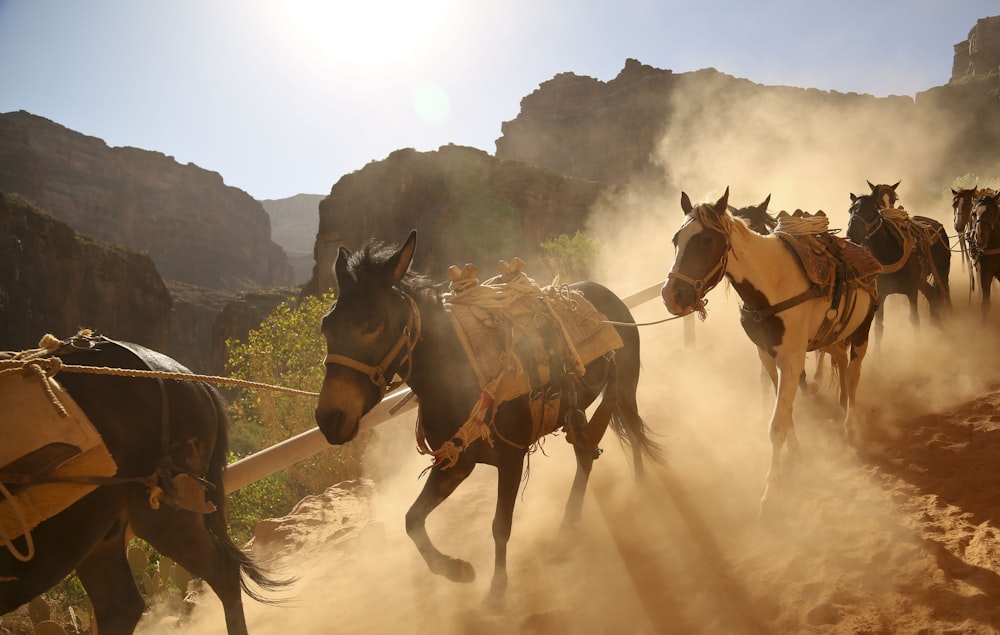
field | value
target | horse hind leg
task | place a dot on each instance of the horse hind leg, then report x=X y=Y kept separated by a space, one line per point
x=184 y=537
x=587 y=450
x=110 y=585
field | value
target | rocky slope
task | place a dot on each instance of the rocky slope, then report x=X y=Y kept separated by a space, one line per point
x=195 y=228
x=54 y=280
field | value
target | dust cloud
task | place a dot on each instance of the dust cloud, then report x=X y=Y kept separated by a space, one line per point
x=684 y=551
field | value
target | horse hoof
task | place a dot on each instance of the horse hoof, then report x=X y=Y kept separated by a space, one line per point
x=456 y=570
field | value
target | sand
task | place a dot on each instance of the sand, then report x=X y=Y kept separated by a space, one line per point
x=897 y=534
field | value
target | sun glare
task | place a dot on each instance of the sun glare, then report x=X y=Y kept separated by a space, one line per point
x=367 y=34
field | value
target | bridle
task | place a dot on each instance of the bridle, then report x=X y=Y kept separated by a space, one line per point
x=713 y=276
x=980 y=239
x=377 y=374
x=870 y=227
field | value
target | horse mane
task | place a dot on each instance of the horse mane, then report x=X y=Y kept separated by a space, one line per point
x=723 y=222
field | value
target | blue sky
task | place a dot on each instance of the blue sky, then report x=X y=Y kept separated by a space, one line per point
x=286 y=97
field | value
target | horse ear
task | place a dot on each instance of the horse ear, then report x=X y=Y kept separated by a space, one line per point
x=896 y=185
x=685 y=203
x=953 y=192
x=340 y=267
x=767 y=201
x=722 y=204
x=853 y=197
x=870 y=185
x=400 y=261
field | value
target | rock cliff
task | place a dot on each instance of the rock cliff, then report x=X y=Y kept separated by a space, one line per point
x=294 y=222
x=466 y=205
x=649 y=123
x=978 y=56
x=195 y=228
x=54 y=280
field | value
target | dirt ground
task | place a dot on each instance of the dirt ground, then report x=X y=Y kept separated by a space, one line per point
x=896 y=535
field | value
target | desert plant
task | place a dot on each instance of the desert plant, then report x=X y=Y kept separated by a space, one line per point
x=573 y=258
x=285 y=350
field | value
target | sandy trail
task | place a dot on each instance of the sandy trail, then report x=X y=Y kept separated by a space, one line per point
x=897 y=536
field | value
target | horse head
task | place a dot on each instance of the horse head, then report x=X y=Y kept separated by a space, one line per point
x=865 y=218
x=985 y=216
x=885 y=195
x=961 y=205
x=370 y=333
x=756 y=216
x=701 y=248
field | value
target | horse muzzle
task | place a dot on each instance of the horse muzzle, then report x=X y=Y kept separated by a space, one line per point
x=678 y=297
x=337 y=426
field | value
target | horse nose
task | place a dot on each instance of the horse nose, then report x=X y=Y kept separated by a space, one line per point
x=335 y=426
x=675 y=297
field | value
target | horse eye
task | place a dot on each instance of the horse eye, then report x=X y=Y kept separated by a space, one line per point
x=371 y=326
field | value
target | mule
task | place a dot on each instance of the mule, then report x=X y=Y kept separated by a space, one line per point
x=915 y=253
x=984 y=246
x=390 y=321
x=962 y=202
x=155 y=430
x=756 y=217
x=782 y=313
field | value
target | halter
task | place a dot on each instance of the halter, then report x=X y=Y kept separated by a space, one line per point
x=713 y=275
x=869 y=227
x=987 y=219
x=377 y=374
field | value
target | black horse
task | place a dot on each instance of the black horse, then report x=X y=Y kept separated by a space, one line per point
x=389 y=321
x=915 y=255
x=161 y=433
x=984 y=245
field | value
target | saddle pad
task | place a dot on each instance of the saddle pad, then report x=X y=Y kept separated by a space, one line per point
x=510 y=346
x=34 y=440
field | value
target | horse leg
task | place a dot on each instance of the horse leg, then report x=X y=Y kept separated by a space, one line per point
x=107 y=578
x=183 y=537
x=859 y=346
x=439 y=485
x=914 y=310
x=509 y=472
x=879 y=325
x=781 y=428
x=768 y=376
x=587 y=452
x=985 y=282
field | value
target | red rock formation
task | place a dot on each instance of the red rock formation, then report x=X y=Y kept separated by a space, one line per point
x=466 y=205
x=195 y=228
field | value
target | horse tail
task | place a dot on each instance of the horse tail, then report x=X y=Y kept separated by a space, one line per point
x=628 y=425
x=216 y=521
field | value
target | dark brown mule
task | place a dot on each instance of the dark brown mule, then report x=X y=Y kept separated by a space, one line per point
x=756 y=217
x=984 y=246
x=915 y=261
x=158 y=428
x=962 y=202
x=388 y=321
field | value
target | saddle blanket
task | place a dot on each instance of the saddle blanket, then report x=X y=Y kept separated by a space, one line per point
x=519 y=336
x=35 y=440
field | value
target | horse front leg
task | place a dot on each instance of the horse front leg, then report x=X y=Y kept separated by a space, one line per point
x=914 y=309
x=985 y=284
x=509 y=472
x=852 y=379
x=781 y=429
x=439 y=485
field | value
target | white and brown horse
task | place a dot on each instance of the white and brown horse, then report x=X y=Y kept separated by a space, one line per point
x=783 y=313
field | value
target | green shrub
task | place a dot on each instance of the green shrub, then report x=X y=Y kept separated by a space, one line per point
x=285 y=350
